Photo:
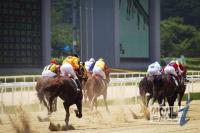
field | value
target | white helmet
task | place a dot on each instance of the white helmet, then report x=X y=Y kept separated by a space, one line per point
x=173 y=61
x=91 y=60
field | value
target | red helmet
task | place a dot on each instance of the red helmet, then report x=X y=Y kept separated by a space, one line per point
x=53 y=61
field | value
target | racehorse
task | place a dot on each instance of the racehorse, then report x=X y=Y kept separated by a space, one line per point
x=163 y=86
x=182 y=84
x=63 y=87
x=146 y=89
x=96 y=86
x=166 y=88
x=89 y=74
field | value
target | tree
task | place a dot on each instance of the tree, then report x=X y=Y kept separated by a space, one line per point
x=61 y=34
x=178 y=38
x=189 y=10
x=61 y=24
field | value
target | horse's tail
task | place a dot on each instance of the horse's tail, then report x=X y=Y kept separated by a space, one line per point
x=40 y=94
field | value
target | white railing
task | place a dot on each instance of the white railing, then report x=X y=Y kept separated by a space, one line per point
x=33 y=78
x=17 y=93
x=24 y=92
x=21 y=78
x=127 y=75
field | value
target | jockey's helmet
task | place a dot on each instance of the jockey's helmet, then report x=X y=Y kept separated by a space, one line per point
x=173 y=61
x=76 y=55
x=101 y=59
x=53 y=61
x=178 y=62
x=91 y=60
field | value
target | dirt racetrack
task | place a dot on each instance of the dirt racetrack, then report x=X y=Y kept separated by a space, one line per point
x=121 y=119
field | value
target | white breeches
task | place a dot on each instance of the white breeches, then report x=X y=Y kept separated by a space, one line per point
x=99 y=71
x=67 y=69
x=48 y=73
x=170 y=70
x=153 y=71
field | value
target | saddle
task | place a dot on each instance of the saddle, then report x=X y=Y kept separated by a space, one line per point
x=157 y=80
x=75 y=82
x=97 y=75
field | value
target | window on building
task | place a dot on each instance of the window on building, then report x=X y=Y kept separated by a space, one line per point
x=20 y=33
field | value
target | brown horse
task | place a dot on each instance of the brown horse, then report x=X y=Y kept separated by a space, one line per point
x=96 y=86
x=63 y=87
x=146 y=89
x=182 y=84
x=85 y=97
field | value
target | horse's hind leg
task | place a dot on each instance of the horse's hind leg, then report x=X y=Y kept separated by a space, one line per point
x=66 y=106
x=85 y=95
x=105 y=101
x=51 y=99
x=171 y=105
x=79 y=107
x=45 y=101
x=148 y=99
x=92 y=102
x=95 y=102
x=180 y=98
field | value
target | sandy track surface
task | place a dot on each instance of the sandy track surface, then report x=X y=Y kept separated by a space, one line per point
x=121 y=119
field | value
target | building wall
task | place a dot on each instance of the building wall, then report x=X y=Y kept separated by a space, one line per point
x=99 y=22
x=31 y=55
x=97 y=29
x=154 y=40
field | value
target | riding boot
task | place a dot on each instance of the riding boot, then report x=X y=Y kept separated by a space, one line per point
x=78 y=85
x=176 y=82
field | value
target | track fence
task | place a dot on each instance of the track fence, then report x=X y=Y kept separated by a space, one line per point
x=17 y=90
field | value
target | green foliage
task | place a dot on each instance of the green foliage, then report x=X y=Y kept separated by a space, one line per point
x=61 y=11
x=178 y=38
x=189 y=10
x=61 y=24
x=191 y=63
x=59 y=60
x=61 y=34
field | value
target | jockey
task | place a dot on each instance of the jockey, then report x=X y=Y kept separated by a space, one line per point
x=51 y=70
x=89 y=65
x=183 y=70
x=154 y=69
x=82 y=67
x=99 y=68
x=173 y=69
x=69 y=67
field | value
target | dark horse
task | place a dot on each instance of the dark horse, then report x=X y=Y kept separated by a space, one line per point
x=63 y=87
x=146 y=89
x=96 y=86
x=160 y=87
x=147 y=84
x=165 y=87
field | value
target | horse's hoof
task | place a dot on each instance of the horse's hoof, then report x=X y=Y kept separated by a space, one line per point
x=54 y=127
x=76 y=112
x=67 y=127
x=39 y=119
x=43 y=119
x=79 y=115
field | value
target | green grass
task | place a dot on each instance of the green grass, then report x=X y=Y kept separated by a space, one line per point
x=193 y=96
